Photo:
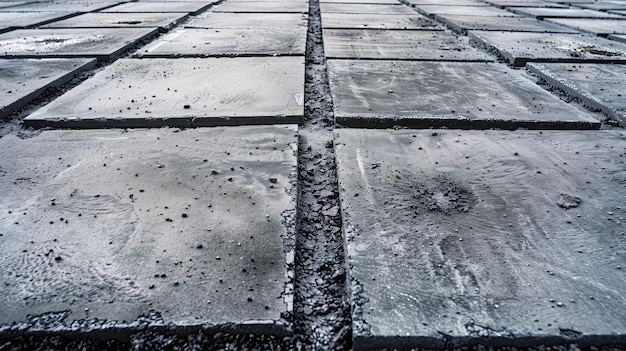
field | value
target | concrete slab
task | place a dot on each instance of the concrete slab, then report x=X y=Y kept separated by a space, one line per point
x=599 y=86
x=380 y=9
x=103 y=43
x=17 y=20
x=390 y=2
x=464 y=238
x=618 y=12
x=447 y=3
x=61 y=6
x=444 y=94
x=269 y=7
x=519 y=48
x=432 y=10
x=530 y=3
x=24 y=80
x=5 y=4
x=602 y=27
x=192 y=7
x=229 y=42
x=399 y=44
x=167 y=92
x=603 y=6
x=542 y=12
x=250 y=20
x=616 y=37
x=163 y=21
x=114 y=224
x=374 y=21
x=462 y=24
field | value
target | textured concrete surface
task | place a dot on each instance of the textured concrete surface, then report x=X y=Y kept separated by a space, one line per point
x=61 y=6
x=462 y=24
x=229 y=42
x=519 y=48
x=458 y=237
x=399 y=44
x=542 y=12
x=14 y=20
x=173 y=92
x=366 y=9
x=432 y=10
x=113 y=224
x=192 y=7
x=599 y=86
x=23 y=80
x=376 y=21
x=601 y=27
x=271 y=7
x=527 y=3
x=617 y=37
x=449 y=94
x=105 y=44
x=289 y=21
x=163 y=21
x=390 y=2
x=603 y=6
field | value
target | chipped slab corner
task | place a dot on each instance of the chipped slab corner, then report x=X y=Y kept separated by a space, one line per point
x=460 y=238
x=124 y=230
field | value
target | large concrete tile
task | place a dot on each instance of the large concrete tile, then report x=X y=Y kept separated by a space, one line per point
x=192 y=7
x=269 y=7
x=462 y=24
x=391 y=2
x=542 y=12
x=462 y=238
x=374 y=21
x=163 y=21
x=531 y=3
x=23 y=80
x=14 y=20
x=447 y=3
x=444 y=94
x=432 y=10
x=602 y=27
x=5 y=4
x=380 y=9
x=61 y=6
x=183 y=92
x=618 y=12
x=250 y=20
x=616 y=37
x=603 y=6
x=519 y=48
x=102 y=43
x=193 y=224
x=599 y=86
x=229 y=42
x=399 y=44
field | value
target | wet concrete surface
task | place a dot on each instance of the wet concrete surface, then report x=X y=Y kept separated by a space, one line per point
x=532 y=219
x=163 y=21
x=105 y=44
x=599 y=86
x=462 y=237
x=229 y=42
x=445 y=94
x=399 y=44
x=24 y=80
x=518 y=48
x=113 y=224
x=158 y=92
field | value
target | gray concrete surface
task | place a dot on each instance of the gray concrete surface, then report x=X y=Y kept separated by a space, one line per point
x=390 y=2
x=175 y=92
x=602 y=27
x=471 y=3
x=448 y=94
x=616 y=37
x=61 y=6
x=603 y=6
x=457 y=238
x=517 y=3
x=542 y=12
x=15 y=20
x=399 y=44
x=432 y=10
x=192 y=7
x=270 y=7
x=380 y=9
x=163 y=21
x=105 y=44
x=113 y=224
x=519 y=48
x=289 y=21
x=376 y=21
x=229 y=42
x=23 y=80
x=463 y=24
x=599 y=86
